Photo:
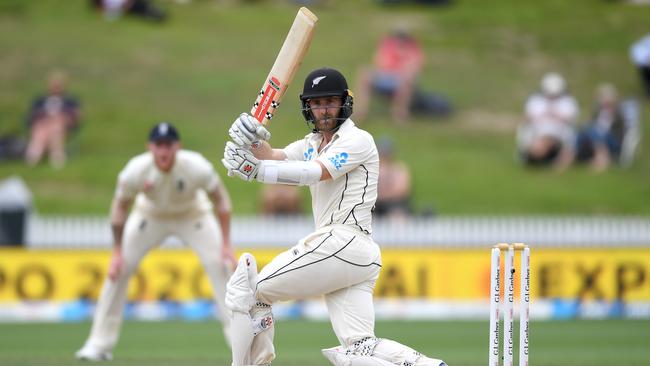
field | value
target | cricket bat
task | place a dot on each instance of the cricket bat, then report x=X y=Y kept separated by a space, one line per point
x=286 y=64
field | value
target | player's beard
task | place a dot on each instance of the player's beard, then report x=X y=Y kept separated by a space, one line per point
x=326 y=123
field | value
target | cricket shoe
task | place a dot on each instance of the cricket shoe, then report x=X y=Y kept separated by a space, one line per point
x=92 y=354
x=337 y=356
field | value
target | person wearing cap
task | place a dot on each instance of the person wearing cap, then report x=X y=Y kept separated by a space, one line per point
x=339 y=261
x=174 y=192
x=548 y=136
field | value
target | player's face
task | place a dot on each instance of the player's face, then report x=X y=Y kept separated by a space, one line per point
x=164 y=153
x=325 y=111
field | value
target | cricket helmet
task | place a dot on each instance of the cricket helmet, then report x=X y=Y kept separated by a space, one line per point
x=326 y=82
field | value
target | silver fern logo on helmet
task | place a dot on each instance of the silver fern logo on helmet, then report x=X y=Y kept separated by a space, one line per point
x=317 y=80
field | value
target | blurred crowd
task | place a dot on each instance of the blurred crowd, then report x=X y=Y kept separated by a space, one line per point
x=115 y=9
x=551 y=134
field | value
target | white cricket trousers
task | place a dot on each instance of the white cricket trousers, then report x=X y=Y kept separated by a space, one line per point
x=338 y=262
x=142 y=233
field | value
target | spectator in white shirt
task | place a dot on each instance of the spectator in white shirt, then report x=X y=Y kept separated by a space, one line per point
x=548 y=135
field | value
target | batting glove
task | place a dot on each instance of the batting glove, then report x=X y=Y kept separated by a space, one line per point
x=240 y=162
x=246 y=131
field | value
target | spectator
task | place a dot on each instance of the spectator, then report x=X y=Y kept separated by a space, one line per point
x=548 y=135
x=281 y=200
x=397 y=64
x=640 y=53
x=51 y=118
x=113 y=9
x=394 y=184
x=600 y=142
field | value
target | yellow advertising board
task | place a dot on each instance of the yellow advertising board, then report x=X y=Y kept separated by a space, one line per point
x=438 y=274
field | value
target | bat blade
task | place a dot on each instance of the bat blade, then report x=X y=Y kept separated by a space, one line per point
x=286 y=64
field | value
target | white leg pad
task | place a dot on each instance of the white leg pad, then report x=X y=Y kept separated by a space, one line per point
x=240 y=298
x=262 y=316
x=241 y=338
x=262 y=351
x=240 y=295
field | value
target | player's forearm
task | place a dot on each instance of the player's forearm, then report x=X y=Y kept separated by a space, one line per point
x=222 y=210
x=119 y=213
x=118 y=231
x=297 y=173
x=224 y=221
x=223 y=214
x=264 y=151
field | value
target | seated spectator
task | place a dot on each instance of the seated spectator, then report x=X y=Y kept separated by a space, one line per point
x=600 y=142
x=397 y=64
x=282 y=200
x=113 y=9
x=548 y=136
x=394 y=185
x=640 y=53
x=50 y=119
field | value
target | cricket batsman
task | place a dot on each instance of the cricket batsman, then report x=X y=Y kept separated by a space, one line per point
x=339 y=261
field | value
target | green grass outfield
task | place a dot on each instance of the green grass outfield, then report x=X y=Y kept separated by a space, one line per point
x=205 y=66
x=461 y=343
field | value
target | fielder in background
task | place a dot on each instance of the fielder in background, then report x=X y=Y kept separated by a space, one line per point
x=339 y=261
x=177 y=193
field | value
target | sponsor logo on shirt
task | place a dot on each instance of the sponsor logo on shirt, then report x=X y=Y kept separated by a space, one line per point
x=309 y=154
x=339 y=159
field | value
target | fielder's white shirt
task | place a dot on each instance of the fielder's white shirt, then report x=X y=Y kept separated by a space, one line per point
x=180 y=191
x=353 y=162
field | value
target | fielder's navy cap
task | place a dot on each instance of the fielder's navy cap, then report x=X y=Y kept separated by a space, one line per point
x=163 y=131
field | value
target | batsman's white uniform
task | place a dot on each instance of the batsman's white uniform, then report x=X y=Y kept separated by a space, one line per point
x=174 y=203
x=339 y=261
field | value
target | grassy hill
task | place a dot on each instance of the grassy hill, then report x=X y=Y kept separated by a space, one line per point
x=204 y=66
